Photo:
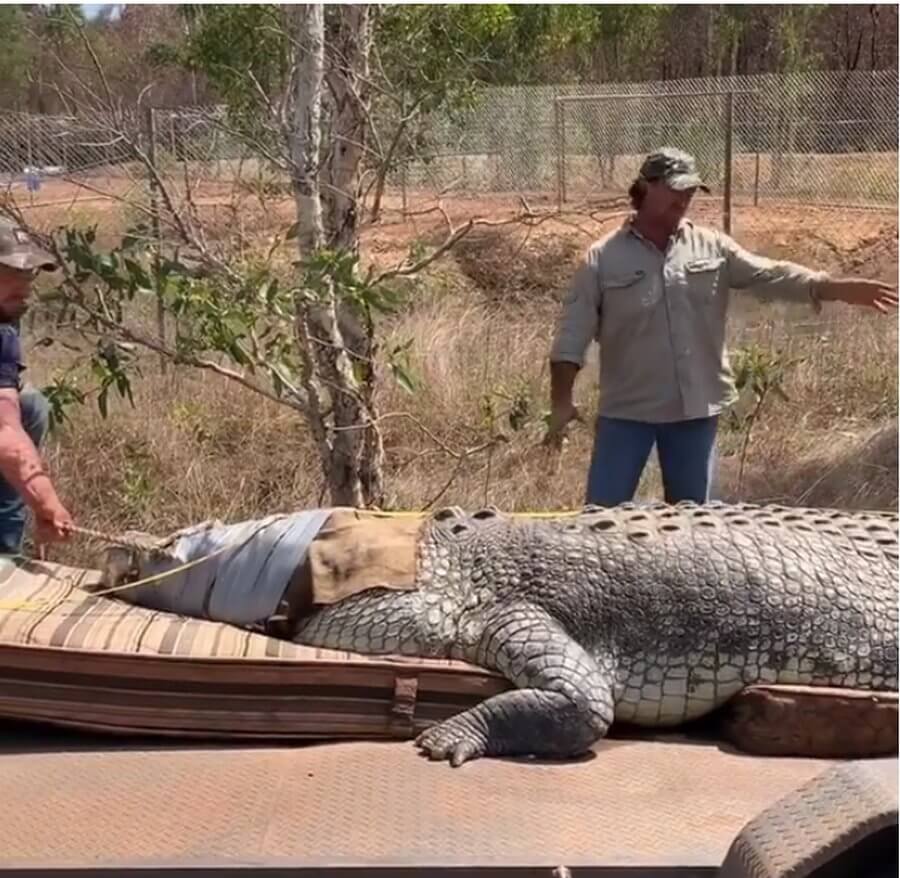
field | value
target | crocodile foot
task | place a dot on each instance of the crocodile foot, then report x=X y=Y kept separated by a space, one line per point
x=457 y=739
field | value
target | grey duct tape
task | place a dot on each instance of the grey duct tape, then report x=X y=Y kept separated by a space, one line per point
x=245 y=577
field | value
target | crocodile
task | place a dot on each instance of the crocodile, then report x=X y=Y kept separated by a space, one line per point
x=652 y=615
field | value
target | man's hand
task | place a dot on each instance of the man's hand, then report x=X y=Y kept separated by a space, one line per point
x=560 y=418
x=859 y=291
x=52 y=524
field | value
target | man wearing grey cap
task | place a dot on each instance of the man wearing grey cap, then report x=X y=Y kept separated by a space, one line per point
x=654 y=295
x=24 y=412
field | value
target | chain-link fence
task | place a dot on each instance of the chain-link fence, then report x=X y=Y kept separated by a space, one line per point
x=47 y=145
x=821 y=137
x=106 y=152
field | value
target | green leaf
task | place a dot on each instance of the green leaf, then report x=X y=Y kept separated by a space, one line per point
x=403 y=378
x=139 y=276
x=102 y=402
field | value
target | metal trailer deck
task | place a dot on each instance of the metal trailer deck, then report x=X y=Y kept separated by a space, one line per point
x=75 y=804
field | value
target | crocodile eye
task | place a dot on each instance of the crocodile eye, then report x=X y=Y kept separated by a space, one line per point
x=485 y=513
x=603 y=524
x=446 y=513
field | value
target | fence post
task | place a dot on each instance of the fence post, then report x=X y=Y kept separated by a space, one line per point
x=560 y=159
x=729 y=157
x=157 y=234
x=756 y=181
x=404 y=179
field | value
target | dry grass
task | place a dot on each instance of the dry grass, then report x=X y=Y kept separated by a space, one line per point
x=195 y=447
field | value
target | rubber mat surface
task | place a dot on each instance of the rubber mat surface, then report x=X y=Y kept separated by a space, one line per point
x=647 y=802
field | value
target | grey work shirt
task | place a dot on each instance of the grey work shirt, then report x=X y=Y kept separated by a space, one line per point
x=659 y=318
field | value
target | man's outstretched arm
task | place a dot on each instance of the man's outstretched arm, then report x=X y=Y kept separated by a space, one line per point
x=790 y=281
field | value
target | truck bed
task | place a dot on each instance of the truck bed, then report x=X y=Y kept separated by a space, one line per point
x=135 y=740
x=74 y=800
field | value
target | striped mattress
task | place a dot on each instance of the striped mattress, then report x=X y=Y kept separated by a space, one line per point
x=74 y=659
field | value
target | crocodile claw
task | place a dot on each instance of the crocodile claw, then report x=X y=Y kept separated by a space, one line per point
x=457 y=740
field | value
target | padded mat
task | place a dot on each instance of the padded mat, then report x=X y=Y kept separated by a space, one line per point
x=71 y=658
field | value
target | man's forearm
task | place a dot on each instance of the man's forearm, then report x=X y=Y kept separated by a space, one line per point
x=770 y=278
x=22 y=467
x=830 y=289
x=562 y=380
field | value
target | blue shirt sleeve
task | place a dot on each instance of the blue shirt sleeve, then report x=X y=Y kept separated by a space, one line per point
x=11 y=365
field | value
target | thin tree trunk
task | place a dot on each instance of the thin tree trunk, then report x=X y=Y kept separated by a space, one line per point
x=319 y=322
x=384 y=169
x=309 y=52
x=330 y=342
x=348 y=82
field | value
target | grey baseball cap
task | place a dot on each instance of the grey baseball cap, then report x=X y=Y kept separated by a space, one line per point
x=19 y=250
x=676 y=168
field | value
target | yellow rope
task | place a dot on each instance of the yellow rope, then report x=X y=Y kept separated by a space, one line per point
x=158 y=577
x=147 y=580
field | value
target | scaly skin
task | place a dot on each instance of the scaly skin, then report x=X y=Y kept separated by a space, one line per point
x=650 y=615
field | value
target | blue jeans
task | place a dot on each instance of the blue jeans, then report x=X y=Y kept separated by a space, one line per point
x=686 y=452
x=36 y=421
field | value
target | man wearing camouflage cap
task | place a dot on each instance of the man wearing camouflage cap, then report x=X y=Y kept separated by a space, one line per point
x=654 y=295
x=24 y=412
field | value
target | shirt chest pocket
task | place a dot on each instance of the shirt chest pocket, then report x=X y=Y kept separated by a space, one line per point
x=629 y=293
x=703 y=277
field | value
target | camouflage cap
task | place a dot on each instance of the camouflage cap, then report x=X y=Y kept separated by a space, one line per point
x=19 y=250
x=677 y=169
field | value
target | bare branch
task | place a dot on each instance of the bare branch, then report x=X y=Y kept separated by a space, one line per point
x=98 y=67
x=406 y=269
x=485 y=446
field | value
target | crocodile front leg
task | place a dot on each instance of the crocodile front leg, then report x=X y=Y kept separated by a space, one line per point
x=563 y=703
